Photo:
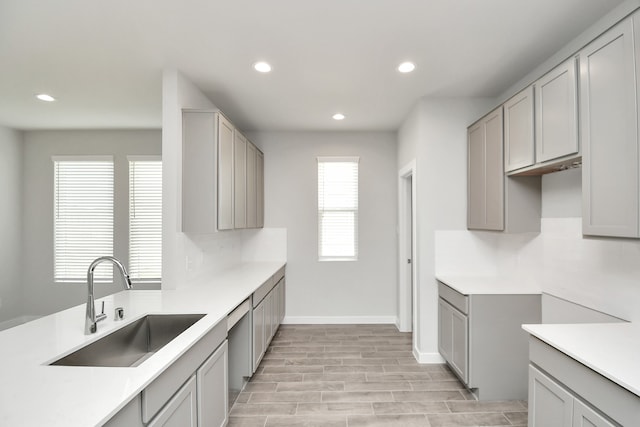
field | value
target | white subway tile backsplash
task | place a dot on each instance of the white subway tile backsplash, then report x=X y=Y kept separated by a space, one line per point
x=600 y=273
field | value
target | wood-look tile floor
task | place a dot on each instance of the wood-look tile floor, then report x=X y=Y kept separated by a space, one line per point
x=356 y=376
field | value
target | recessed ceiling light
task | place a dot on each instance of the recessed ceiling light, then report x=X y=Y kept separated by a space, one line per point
x=262 y=67
x=406 y=67
x=45 y=97
x=338 y=116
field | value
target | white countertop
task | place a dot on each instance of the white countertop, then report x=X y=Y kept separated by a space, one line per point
x=610 y=349
x=35 y=394
x=490 y=285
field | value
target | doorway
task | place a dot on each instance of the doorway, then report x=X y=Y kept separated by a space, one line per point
x=407 y=251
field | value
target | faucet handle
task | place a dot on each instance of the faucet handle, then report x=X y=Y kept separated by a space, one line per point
x=101 y=316
x=119 y=315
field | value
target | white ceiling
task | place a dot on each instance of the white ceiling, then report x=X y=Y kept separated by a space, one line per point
x=103 y=59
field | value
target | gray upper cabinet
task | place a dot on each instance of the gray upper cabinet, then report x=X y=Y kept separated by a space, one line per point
x=239 y=181
x=609 y=128
x=260 y=189
x=485 y=191
x=519 y=143
x=220 y=175
x=557 y=113
x=199 y=177
x=252 y=199
x=225 y=173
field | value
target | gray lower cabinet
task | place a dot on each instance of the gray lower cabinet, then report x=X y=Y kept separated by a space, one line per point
x=258 y=334
x=193 y=391
x=550 y=405
x=268 y=312
x=180 y=411
x=472 y=333
x=453 y=342
x=584 y=416
x=565 y=393
x=213 y=386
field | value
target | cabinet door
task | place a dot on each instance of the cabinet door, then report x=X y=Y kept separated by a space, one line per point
x=460 y=347
x=199 y=159
x=213 y=389
x=180 y=411
x=258 y=334
x=283 y=300
x=557 y=113
x=485 y=191
x=276 y=309
x=584 y=416
x=609 y=119
x=476 y=201
x=225 y=173
x=445 y=330
x=268 y=319
x=550 y=405
x=239 y=181
x=252 y=197
x=260 y=190
x=519 y=144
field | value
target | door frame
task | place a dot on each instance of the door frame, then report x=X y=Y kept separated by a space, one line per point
x=407 y=320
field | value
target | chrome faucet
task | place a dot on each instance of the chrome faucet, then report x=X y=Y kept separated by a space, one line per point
x=91 y=320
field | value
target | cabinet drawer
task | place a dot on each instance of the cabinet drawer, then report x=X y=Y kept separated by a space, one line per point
x=262 y=291
x=455 y=298
x=266 y=287
x=279 y=275
x=162 y=388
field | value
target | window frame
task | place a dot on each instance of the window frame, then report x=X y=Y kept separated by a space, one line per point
x=132 y=159
x=103 y=274
x=355 y=209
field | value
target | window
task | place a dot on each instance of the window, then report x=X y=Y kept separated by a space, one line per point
x=83 y=210
x=145 y=218
x=337 y=208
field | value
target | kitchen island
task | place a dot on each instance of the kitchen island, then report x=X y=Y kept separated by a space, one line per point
x=36 y=394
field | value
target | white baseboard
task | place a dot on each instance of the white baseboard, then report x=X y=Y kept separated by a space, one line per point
x=16 y=321
x=339 y=320
x=427 y=357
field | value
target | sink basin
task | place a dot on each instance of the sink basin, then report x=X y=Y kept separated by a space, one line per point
x=133 y=344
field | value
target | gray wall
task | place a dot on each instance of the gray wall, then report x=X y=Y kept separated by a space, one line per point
x=42 y=295
x=435 y=136
x=562 y=194
x=10 y=223
x=364 y=290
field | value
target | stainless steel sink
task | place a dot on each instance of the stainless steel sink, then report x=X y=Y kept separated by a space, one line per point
x=133 y=344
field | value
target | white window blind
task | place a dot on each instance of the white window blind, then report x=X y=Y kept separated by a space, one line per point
x=145 y=219
x=337 y=208
x=83 y=209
